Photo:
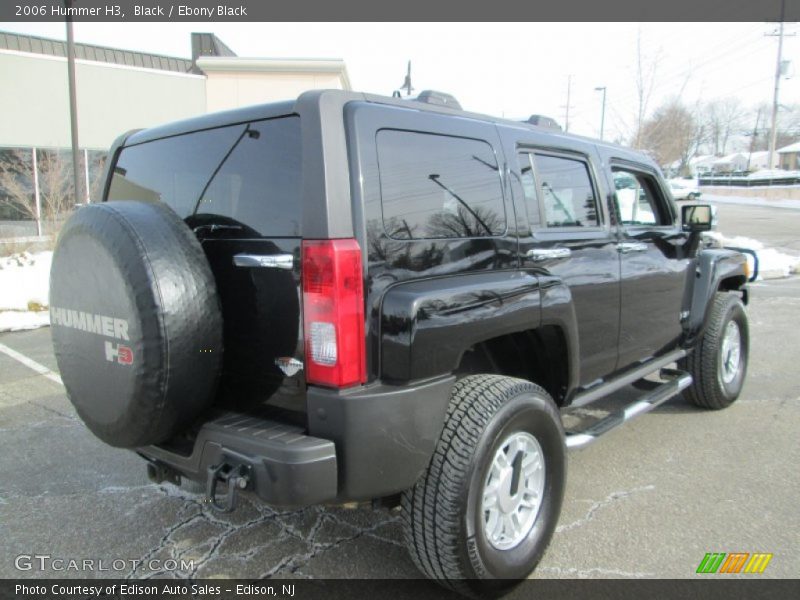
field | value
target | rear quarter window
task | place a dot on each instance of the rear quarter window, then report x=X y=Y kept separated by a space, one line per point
x=437 y=186
x=245 y=178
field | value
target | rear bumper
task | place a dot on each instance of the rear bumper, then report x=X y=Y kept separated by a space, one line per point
x=385 y=435
x=362 y=443
x=288 y=468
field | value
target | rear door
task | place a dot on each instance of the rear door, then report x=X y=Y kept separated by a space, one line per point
x=569 y=238
x=653 y=273
x=238 y=188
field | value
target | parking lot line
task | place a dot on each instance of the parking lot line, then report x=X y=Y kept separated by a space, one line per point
x=31 y=364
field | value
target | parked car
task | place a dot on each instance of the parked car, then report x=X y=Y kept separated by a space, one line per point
x=349 y=297
x=685 y=189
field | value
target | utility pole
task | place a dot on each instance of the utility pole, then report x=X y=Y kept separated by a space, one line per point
x=73 y=107
x=754 y=139
x=602 y=111
x=567 y=106
x=773 y=136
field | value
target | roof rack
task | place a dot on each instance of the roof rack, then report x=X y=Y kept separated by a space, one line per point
x=542 y=121
x=438 y=98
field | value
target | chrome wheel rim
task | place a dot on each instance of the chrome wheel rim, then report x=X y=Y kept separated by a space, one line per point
x=730 y=353
x=513 y=491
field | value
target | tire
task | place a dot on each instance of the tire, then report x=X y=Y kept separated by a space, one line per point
x=691 y=197
x=717 y=380
x=444 y=521
x=135 y=320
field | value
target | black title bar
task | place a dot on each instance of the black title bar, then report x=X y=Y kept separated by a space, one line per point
x=405 y=10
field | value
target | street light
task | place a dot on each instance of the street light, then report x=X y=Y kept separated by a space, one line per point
x=73 y=104
x=603 y=110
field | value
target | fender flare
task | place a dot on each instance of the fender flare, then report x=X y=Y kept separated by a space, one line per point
x=712 y=267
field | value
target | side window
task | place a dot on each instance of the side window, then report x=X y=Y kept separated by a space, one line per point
x=528 y=182
x=567 y=193
x=639 y=201
x=436 y=186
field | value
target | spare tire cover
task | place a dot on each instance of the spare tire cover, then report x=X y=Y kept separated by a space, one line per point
x=136 y=321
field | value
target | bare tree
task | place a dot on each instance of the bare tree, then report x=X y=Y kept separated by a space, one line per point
x=788 y=128
x=672 y=134
x=723 y=118
x=56 y=190
x=16 y=182
x=645 y=78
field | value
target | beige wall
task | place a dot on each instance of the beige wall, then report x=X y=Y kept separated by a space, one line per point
x=112 y=99
x=34 y=104
x=790 y=161
x=237 y=81
x=773 y=193
x=231 y=90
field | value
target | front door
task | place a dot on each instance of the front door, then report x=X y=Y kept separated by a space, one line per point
x=653 y=275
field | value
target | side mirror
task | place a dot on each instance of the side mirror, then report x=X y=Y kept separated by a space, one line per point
x=698 y=217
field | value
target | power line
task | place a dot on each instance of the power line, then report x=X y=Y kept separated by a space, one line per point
x=567 y=105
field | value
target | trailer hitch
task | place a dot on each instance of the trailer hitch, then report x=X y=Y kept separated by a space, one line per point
x=238 y=478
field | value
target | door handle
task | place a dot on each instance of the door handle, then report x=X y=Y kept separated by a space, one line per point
x=269 y=261
x=539 y=254
x=628 y=247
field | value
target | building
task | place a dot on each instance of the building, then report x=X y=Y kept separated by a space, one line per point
x=730 y=163
x=789 y=157
x=702 y=164
x=759 y=161
x=119 y=90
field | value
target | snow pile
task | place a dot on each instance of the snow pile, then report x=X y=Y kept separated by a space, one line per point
x=772 y=264
x=24 y=290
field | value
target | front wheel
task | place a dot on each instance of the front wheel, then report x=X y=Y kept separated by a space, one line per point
x=718 y=363
x=483 y=513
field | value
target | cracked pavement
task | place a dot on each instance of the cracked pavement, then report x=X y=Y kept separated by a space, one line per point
x=648 y=500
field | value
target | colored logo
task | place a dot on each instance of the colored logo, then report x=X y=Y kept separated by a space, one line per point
x=119 y=353
x=734 y=562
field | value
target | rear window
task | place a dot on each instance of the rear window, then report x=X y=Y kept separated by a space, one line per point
x=437 y=186
x=243 y=178
x=567 y=192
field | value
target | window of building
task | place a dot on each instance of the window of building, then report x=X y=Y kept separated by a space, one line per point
x=436 y=186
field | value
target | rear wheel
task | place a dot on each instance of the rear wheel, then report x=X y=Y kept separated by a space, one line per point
x=483 y=513
x=719 y=362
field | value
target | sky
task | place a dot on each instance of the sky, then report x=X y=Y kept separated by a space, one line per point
x=505 y=69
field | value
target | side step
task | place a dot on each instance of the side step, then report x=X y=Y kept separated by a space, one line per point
x=677 y=382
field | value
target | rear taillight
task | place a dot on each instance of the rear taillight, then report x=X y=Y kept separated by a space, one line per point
x=333 y=312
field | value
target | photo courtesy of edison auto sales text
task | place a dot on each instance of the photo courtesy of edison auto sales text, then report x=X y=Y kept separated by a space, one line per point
x=165 y=589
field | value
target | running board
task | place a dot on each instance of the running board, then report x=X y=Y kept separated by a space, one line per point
x=678 y=381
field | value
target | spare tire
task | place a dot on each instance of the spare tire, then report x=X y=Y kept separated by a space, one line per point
x=136 y=321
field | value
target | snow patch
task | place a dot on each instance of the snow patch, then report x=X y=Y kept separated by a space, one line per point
x=14 y=320
x=772 y=264
x=24 y=284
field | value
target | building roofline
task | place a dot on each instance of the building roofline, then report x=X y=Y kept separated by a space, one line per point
x=32 y=44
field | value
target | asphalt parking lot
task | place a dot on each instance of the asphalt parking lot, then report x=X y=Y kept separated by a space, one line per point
x=648 y=500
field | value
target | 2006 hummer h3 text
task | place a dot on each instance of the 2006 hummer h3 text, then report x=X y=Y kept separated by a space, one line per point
x=350 y=297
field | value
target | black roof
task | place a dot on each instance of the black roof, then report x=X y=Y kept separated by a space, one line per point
x=274 y=109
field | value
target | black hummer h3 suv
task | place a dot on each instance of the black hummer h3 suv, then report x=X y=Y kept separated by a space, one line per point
x=349 y=297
